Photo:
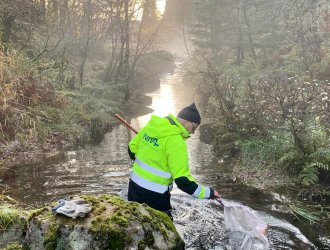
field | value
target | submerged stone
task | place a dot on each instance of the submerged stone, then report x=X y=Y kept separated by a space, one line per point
x=112 y=224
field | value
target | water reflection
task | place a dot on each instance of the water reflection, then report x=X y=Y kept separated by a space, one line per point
x=91 y=170
x=164 y=103
x=173 y=95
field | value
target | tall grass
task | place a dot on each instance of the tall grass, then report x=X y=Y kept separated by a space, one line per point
x=8 y=217
x=20 y=93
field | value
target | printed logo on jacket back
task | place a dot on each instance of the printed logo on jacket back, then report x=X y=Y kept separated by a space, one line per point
x=151 y=140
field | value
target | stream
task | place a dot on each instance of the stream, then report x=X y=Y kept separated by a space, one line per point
x=104 y=168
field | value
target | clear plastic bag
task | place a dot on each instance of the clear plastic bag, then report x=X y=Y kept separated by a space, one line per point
x=244 y=227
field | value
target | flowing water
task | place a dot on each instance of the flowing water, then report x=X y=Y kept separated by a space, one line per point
x=105 y=169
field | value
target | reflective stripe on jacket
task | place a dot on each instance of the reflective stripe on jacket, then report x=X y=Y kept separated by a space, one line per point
x=161 y=156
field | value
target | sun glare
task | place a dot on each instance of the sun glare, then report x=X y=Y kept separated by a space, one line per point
x=161 y=6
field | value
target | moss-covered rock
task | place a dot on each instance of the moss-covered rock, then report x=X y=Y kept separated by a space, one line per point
x=112 y=224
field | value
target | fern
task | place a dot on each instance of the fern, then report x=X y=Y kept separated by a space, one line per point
x=288 y=157
x=321 y=154
x=320 y=165
x=300 y=210
x=309 y=174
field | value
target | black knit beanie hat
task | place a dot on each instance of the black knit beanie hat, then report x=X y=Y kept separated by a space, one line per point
x=190 y=113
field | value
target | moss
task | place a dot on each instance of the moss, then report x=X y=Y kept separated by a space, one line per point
x=13 y=246
x=117 y=239
x=35 y=213
x=69 y=222
x=99 y=209
x=145 y=218
x=122 y=210
x=52 y=234
x=119 y=220
x=113 y=200
x=103 y=230
x=160 y=220
x=110 y=230
x=45 y=215
x=149 y=238
x=51 y=237
x=96 y=203
x=179 y=244
x=141 y=245
x=100 y=224
x=90 y=199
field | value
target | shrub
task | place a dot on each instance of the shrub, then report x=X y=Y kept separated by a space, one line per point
x=20 y=95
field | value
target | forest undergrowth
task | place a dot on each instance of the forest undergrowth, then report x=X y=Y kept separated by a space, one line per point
x=40 y=116
x=38 y=119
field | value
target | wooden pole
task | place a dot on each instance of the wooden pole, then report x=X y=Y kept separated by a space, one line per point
x=125 y=123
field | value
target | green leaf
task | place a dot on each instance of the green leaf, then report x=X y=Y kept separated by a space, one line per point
x=288 y=157
x=309 y=174
x=320 y=165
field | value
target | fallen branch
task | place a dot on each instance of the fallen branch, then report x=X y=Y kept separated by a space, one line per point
x=7 y=198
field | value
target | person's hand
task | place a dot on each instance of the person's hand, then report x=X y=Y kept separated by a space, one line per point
x=216 y=195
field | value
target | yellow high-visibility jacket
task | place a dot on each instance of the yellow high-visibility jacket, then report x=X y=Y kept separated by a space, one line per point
x=160 y=154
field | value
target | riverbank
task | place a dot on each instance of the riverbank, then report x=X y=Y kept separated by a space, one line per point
x=267 y=178
x=268 y=193
x=81 y=115
x=304 y=207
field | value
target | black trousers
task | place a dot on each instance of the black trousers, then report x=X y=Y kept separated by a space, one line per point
x=153 y=199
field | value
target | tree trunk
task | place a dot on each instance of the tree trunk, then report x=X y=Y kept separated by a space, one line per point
x=247 y=23
x=240 y=45
x=173 y=11
x=54 y=8
x=42 y=5
x=127 y=49
x=87 y=26
x=149 y=16
x=8 y=22
x=63 y=15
